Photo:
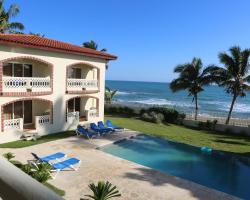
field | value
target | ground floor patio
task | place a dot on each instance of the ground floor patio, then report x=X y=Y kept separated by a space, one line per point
x=133 y=181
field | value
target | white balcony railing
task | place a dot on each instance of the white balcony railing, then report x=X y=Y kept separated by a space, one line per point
x=13 y=124
x=36 y=83
x=92 y=113
x=42 y=120
x=72 y=116
x=81 y=83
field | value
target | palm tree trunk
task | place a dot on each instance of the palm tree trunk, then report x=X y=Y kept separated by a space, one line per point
x=231 y=109
x=196 y=106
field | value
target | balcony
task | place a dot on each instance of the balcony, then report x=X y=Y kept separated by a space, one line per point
x=81 y=84
x=27 y=115
x=27 y=75
x=82 y=78
x=84 y=109
x=26 y=84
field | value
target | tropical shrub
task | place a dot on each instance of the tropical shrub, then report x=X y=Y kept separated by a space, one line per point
x=102 y=191
x=167 y=114
x=9 y=156
x=109 y=95
x=39 y=172
x=121 y=110
x=153 y=117
x=208 y=125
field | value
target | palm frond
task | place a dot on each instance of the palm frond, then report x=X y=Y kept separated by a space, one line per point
x=16 y=25
x=228 y=63
x=244 y=62
x=13 y=10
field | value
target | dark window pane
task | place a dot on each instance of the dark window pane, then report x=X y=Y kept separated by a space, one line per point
x=18 y=109
x=75 y=73
x=18 y=70
x=77 y=104
x=27 y=112
x=8 y=111
x=7 y=69
x=71 y=105
x=27 y=70
x=78 y=72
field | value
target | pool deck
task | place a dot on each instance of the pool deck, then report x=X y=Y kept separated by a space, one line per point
x=134 y=181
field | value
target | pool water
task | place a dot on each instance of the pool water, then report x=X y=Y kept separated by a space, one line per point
x=222 y=171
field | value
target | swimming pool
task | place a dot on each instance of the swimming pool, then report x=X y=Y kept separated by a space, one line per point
x=222 y=171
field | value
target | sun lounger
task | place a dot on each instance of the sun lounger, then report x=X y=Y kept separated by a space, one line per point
x=102 y=126
x=95 y=128
x=66 y=164
x=82 y=131
x=110 y=125
x=56 y=156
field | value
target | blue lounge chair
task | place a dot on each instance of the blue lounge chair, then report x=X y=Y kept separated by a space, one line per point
x=102 y=126
x=56 y=156
x=69 y=163
x=82 y=131
x=95 y=128
x=110 y=125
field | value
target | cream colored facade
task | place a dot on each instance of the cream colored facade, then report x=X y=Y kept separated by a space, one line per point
x=49 y=90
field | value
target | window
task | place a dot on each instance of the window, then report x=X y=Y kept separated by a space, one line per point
x=74 y=105
x=75 y=73
x=17 y=70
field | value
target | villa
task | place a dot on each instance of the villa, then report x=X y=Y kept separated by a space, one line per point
x=48 y=86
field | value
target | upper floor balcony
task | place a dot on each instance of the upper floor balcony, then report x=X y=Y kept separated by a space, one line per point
x=26 y=76
x=82 y=78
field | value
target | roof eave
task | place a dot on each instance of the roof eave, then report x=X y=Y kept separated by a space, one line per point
x=106 y=57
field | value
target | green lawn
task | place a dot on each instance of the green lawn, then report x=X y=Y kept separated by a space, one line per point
x=219 y=141
x=47 y=138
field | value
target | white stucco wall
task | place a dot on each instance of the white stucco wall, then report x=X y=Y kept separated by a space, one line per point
x=60 y=61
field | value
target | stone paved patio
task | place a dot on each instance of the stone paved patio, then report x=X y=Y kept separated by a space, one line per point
x=135 y=182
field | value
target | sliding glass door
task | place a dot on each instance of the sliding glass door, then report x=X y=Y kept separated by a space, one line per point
x=19 y=109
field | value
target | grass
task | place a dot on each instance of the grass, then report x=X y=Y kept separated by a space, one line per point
x=55 y=189
x=215 y=140
x=43 y=139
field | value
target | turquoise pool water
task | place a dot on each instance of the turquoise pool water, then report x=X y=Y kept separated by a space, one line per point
x=225 y=172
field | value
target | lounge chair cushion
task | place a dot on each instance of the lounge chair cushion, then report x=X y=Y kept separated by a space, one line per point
x=65 y=164
x=49 y=157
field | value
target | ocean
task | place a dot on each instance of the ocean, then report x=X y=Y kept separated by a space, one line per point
x=213 y=101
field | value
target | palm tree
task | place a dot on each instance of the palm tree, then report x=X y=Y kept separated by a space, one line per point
x=92 y=45
x=103 y=191
x=5 y=15
x=109 y=95
x=191 y=78
x=233 y=76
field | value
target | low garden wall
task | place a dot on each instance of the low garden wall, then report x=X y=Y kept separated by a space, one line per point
x=232 y=129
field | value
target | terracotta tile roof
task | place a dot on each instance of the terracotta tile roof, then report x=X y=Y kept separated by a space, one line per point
x=37 y=42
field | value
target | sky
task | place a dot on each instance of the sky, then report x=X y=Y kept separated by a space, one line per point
x=150 y=37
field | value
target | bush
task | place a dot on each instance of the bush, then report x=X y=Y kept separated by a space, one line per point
x=121 y=110
x=208 y=125
x=162 y=114
x=153 y=117
x=153 y=114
